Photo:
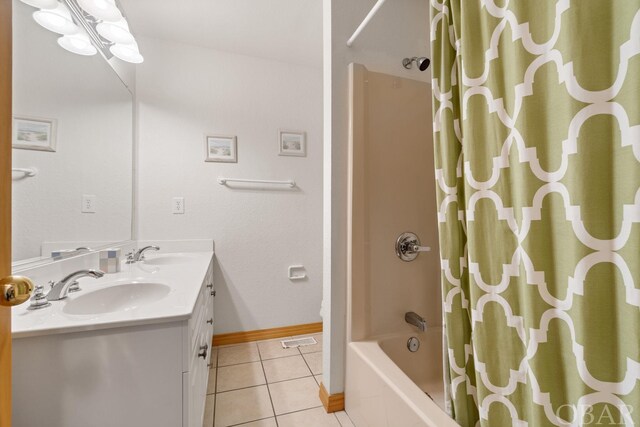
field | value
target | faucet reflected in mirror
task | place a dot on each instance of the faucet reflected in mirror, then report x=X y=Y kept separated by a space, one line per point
x=137 y=256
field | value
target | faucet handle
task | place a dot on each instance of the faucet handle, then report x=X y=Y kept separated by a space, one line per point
x=408 y=246
x=39 y=299
x=74 y=286
x=130 y=258
x=415 y=247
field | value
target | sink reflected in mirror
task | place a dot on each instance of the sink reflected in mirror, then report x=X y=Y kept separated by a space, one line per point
x=120 y=297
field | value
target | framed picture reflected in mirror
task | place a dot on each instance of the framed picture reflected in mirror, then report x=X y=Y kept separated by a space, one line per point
x=34 y=133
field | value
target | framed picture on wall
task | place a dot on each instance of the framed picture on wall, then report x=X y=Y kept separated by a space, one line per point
x=34 y=133
x=220 y=148
x=292 y=143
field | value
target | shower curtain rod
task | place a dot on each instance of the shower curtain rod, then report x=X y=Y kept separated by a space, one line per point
x=364 y=23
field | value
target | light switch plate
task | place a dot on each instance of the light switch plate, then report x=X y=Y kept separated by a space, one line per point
x=178 y=205
x=89 y=203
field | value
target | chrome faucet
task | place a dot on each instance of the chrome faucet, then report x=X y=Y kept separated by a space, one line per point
x=415 y=320
x=59 y=290
x=139 y=254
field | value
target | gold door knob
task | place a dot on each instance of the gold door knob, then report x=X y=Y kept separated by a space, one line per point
x=15 y=290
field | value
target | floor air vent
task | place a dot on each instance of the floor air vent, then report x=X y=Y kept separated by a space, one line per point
x=298 y=342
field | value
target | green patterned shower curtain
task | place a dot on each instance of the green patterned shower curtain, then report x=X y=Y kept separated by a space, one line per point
x=537 y=143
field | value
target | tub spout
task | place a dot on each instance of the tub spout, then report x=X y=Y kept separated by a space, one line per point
x=415 y=320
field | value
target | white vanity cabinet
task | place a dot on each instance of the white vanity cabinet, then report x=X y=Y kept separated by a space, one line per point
x=198 y=355
x=133 y=373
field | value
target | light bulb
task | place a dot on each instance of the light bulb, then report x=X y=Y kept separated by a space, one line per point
x=78 y=43
x=127 y=52
x=116 y=32
x=57 y=20
x=105 y=10
x=42 y=4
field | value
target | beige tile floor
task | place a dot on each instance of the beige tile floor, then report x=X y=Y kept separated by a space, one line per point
x=260 y=384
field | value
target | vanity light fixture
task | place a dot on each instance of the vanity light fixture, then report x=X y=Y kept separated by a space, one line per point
x=78 y=43
x=88 y=26
x=127 y=52
x=42 y=4
x=116 y=32
x=105 y=10
x=57 y=20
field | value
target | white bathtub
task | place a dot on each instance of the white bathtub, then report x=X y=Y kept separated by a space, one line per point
x=387 y=385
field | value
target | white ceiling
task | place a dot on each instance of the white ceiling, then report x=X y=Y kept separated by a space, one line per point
x=283 y=30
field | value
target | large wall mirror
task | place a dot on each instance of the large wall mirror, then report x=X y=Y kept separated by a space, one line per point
x=73 y=147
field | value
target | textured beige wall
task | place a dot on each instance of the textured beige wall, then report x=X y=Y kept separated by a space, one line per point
x=392 y=191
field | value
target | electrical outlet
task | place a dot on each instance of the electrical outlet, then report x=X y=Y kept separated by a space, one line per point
x=178 y=205
x=89 y=203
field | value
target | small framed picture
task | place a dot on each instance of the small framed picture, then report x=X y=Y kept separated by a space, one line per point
x=33 y=133
x=293 y=143
x=221 y=148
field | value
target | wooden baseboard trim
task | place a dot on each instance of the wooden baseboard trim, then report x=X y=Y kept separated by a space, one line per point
x=331 y=402
x=265 y=334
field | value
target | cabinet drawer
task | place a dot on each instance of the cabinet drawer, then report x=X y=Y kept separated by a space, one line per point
x=200 y=326
x=202 y=313
x=198 y=335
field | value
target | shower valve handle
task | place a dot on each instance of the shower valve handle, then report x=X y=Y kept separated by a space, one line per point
x=408 y=247
x=414 y=247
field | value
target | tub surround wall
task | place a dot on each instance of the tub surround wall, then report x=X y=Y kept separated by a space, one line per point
x=186 y=91
x=391 y=131
x=399 y=29
x=392 y=191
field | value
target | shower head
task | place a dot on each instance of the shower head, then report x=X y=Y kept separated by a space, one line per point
x=421 y=62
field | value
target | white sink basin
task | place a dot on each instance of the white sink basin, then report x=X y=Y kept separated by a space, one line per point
x=120 y=297
x=167 y=259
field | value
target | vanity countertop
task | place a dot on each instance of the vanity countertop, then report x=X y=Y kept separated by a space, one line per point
x=173 y=282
